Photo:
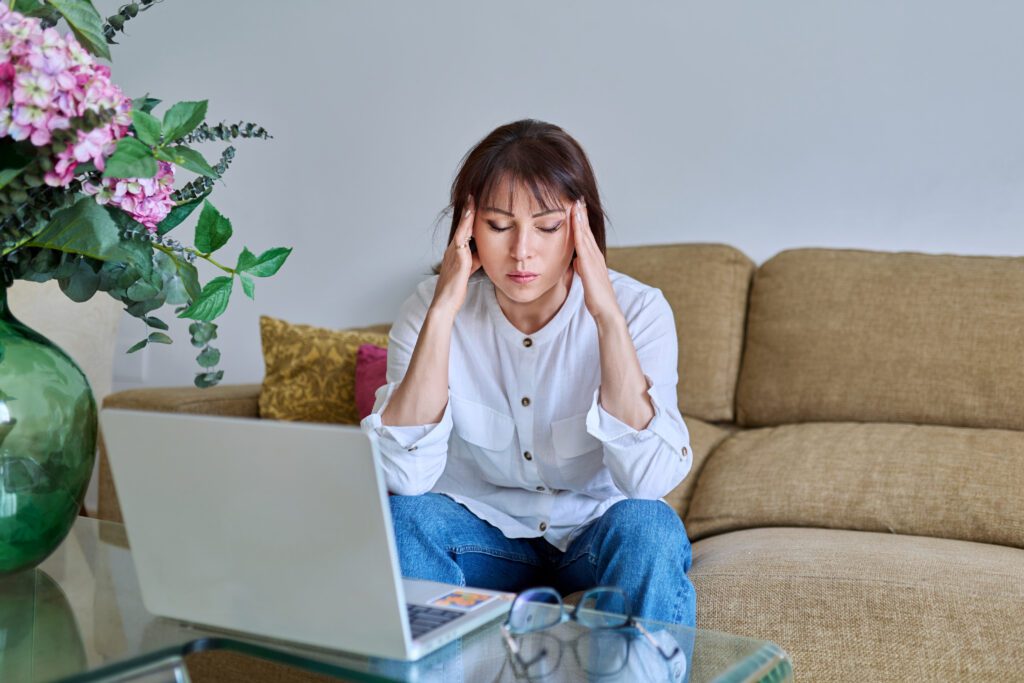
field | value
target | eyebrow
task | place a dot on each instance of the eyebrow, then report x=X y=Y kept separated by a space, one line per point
x=536 y=215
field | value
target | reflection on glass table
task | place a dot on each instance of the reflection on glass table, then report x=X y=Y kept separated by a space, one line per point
x=80 y=617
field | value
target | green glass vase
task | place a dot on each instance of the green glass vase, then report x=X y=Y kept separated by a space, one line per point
x=47 y=443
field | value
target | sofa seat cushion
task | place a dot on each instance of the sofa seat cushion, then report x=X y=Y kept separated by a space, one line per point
x=923 y=480
x=851 y=335
x=706 y=285
x=862 y=606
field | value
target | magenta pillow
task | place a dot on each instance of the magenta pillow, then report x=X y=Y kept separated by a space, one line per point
x=371 y=374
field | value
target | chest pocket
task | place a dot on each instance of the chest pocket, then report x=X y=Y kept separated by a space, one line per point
x=571 y=442
x=489 y=435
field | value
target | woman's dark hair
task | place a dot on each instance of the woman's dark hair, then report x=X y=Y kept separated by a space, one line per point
x=540 y=155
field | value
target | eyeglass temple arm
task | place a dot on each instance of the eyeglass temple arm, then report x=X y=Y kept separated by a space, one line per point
x=650 y=639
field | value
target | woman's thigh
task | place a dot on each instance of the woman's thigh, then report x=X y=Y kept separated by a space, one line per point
x=441 y=540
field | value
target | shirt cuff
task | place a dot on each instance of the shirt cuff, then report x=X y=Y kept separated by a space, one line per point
x=412 y=437
x=607 y=428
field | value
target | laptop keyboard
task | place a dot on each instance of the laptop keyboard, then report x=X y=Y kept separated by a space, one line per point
x=426 y=619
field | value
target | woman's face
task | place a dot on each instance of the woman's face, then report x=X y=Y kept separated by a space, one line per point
x=524 y=250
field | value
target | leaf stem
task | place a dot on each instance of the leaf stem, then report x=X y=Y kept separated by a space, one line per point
x=205 y=257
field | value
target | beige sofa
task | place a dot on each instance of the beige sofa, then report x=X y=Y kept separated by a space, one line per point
x=857 y=420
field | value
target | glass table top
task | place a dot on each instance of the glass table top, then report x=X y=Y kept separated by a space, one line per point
x=80 y=617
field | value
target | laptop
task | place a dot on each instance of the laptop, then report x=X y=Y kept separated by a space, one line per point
x=277 y=529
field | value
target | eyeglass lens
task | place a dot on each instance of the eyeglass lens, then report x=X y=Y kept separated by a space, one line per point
x=534 y=610
x=603 y=608
x=603 y=653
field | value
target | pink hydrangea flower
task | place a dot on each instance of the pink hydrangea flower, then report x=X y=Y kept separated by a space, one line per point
x=147 y=200
x=46 y=82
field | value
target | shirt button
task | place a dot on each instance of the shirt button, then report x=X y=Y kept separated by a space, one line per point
x=526 y=401
x=528 y=455
x=540 y=488
x=527 y=342
x=684 y=450
x=412 y=448
x=543 y=526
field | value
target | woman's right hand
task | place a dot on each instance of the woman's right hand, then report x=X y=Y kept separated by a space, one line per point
x=458 y=264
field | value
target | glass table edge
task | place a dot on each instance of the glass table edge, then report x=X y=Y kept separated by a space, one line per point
x=769 y=664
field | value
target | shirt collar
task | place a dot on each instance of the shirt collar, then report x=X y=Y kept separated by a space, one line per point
x=554 y=326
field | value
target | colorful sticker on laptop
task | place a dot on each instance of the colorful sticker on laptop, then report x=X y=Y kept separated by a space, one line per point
x=460 y=599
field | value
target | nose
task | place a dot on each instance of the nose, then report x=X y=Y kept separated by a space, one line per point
x=522 y=248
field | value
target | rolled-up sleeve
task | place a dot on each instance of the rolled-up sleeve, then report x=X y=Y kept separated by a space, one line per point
x=412 y=457
x=648 y=463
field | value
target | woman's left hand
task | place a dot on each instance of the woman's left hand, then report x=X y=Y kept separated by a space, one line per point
x=592 y=268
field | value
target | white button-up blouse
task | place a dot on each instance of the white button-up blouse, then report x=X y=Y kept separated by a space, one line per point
x=524 y=442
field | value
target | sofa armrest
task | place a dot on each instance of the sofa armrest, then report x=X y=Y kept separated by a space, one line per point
x=232 y=400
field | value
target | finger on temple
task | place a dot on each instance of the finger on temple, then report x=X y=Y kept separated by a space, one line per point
x=466 y=223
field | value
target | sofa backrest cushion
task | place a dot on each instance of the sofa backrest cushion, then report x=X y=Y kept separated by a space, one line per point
x=706 y=285
x=836 y=334
x=922 y=480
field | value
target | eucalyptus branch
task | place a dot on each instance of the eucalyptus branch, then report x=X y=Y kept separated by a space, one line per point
x=224 y=132
x=202 y=186
x=115 y=22
x=25 y=220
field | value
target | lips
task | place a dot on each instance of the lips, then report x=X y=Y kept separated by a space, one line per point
x=522 y=277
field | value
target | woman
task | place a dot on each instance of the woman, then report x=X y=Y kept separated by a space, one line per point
x=529 y=423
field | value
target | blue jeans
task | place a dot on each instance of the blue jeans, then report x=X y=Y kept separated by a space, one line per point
x=638 y=545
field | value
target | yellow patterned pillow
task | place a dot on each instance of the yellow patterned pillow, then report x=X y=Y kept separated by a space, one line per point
x=311 y=371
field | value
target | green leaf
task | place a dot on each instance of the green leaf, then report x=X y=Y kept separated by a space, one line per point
x=85 y=23
x=245 y=260
x=202 y=333
x=179 y=278
x=87 y=228
x=145 y=103
x=187 y=158
x=156 y=322
x=209 y=357
x=141 y=345
x=205 y=380
x=159 y=338
x=248 y=286
x=82 y=283
x=139 y=309
x=14 y=157
x=142 y=291
x=190 y=278
x=182 y=118
x=266 y=264
x=131 y=159
x=177 y=215
x=213 y=230
x=212 y=302
x=26 y=6
x=147 y=127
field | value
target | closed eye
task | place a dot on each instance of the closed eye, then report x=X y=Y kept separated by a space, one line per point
x=503 y=228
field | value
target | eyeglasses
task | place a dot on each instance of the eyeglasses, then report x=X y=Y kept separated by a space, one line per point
x=604 y=610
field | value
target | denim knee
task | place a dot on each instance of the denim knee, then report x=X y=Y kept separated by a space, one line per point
x=646 y=524
x=409 y=513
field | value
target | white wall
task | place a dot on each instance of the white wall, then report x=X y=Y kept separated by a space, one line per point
x=765 y=125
